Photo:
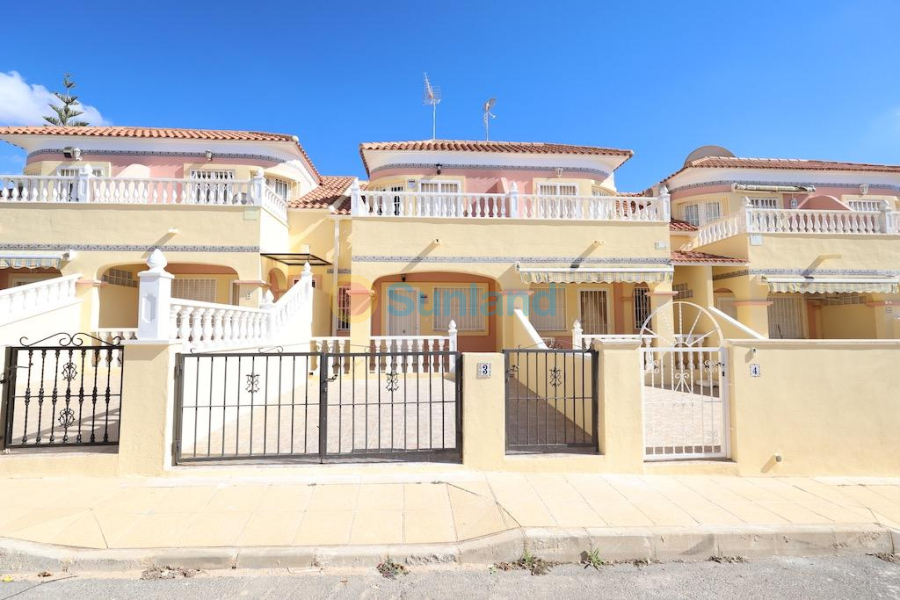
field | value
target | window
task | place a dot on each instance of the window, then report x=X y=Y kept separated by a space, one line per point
x=202 y=290
x=458 y=304
x=280 y=187
x=548 y=308
x=865 y=205
x=641 y=307
x=343 y=307
x=119 y=277
x=438 y=187
x=681 y=291
x=691 y=214
x=212 y=175
x=726 y=305
x=599 y=191
x=785 y=317
x=701 y=213
x=557 y=189
x=594 y=312
x=767 y=203
x=73 y=171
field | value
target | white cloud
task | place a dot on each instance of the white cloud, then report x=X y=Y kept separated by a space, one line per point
x=22 y=103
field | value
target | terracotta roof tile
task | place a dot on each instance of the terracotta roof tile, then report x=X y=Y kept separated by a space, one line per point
x=330 y=189
x=484 y=146
x=160 y=133
x=691 y=256
x=795 y=164
x=678 y=225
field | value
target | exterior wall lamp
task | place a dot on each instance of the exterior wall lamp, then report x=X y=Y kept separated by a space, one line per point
x=209 y=155
x=438 y=168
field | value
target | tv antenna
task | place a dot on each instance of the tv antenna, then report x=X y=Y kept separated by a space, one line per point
x=432 y=97
x=488 y=115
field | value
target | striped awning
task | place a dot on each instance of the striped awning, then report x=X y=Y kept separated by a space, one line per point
x=32 y=260
x=833 y=285
x=595 y=274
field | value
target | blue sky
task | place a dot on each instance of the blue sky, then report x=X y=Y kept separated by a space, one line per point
x=810 y=79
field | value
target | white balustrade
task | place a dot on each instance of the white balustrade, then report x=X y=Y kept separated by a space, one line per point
x=813 y=221
x=205 y=325
x=112 y=335
x=585 y=341
x=512 y=205
x=87 y=188
x=423 y=348
x=27 y=188
x=33 y=298
x=798 y=220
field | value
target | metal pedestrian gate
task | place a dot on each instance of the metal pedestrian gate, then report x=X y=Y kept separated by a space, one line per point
x=64 y=391
x=551 y=400
x=318 y=407
x=684 y=387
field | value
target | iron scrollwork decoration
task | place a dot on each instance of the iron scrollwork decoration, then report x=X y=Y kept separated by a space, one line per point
x=252 y=383
x=71 y=340
x=393 y=381
x=512 y=371
x=69 y=371
x=555 y=377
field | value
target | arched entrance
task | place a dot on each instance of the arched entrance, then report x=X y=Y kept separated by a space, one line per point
x=685 y=384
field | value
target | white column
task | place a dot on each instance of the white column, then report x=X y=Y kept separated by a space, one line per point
x=665 y=201
x=357 y=203
x=83 y=184
x=514 y=201
x=154 y=300
x=576 y=335
x=257 y=187
x=452 y=332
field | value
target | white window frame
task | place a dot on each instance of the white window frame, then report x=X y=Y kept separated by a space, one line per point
x=212 y=174
x=275 y=182
x=704 y=212
x=198 y=281
x=554 y=188
x=587 y=325
x=440 y=320
x=72 y=170
x=549 y=322
x=440 y=185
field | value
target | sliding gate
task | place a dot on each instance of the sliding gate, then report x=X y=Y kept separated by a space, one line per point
x=318 y=407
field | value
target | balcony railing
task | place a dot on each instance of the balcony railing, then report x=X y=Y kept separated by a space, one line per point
x=509 y=206
x=798 y=221
x=87 y=188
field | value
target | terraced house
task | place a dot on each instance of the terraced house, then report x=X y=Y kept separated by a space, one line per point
x=329 y=294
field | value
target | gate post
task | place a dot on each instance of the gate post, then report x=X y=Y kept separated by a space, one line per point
x=323 y=407
x=8 y=379
x=620 y=407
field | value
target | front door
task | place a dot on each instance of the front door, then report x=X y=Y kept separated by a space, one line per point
x=403 y=311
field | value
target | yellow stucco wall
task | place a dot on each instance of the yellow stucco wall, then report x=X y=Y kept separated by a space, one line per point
x=829 y=408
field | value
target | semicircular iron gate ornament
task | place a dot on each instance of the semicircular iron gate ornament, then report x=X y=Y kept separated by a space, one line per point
x=685 y=384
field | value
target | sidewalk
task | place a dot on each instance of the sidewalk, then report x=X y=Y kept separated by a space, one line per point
x=434 y=509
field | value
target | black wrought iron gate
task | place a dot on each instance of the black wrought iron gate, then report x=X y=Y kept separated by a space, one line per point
x=551 y=400
x=62 y=391
x=318 y=407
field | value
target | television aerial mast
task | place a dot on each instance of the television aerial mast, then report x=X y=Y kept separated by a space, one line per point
x=488 y=115
x=432 y=97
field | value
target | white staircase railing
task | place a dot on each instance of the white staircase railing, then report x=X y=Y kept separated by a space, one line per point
x=209 y=326
x=34 y=298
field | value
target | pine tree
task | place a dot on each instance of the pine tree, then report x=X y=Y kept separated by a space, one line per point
x=66 y=114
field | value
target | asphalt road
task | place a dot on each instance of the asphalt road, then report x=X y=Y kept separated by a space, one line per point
x=822 y=578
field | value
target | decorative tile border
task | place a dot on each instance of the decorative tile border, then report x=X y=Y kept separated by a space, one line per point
x=872 y=186
x=202 y=155
x=643 y=260
x=807 y=272
x=129 y=247
x=482 y=167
